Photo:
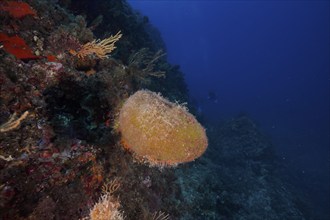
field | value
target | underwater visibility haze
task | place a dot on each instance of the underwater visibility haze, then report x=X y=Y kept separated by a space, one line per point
x=267 y=59
x=158 y=110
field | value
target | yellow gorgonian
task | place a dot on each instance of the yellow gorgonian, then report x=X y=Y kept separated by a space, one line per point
x=99 y=48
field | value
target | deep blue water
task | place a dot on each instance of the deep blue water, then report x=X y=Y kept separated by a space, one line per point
x=268 y=59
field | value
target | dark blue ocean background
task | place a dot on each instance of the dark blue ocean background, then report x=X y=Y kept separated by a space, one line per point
x=267 y=59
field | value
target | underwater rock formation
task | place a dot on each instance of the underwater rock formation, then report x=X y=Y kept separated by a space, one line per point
x=237 y=178
x=54 y=162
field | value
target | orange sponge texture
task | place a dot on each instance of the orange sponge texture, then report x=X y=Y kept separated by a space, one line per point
x=159 y=131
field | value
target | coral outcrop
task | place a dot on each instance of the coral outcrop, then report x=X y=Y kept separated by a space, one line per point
x=160 y=132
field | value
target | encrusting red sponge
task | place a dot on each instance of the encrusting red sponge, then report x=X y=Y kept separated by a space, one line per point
x=17 y=9
x=17 y=47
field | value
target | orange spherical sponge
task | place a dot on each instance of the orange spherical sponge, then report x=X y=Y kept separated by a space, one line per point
x=159 y=131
